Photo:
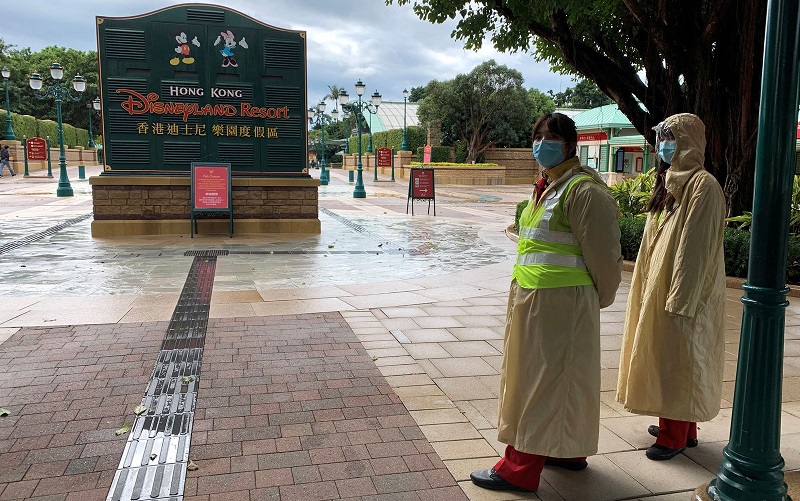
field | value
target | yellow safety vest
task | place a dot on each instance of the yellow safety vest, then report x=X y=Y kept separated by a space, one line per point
x=548 y=254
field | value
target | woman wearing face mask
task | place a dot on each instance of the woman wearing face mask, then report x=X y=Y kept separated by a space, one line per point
x=673 y=348
x=568 y=267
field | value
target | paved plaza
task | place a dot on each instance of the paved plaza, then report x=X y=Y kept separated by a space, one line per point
x=360 y=363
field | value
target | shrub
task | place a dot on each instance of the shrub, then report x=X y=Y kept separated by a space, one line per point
x=631 y=230
x=452 y=164
x=461 y=152
x=737 y=252
x=633 y=194
x=520 y=207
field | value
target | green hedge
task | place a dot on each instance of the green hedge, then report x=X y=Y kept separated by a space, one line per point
x=736 y=242
x=27 y=126
x=415 y=137
x=438 y=154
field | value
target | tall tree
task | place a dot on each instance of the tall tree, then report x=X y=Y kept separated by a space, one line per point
x=584 y=96
x=416 y=95
x=23 y=62
x=699 y=56
x=540 y=104
x=484 y=108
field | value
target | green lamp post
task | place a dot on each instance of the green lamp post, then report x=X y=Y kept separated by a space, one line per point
x=93 y=106
x=404 y=146
x=59 y=93
x=752 y=466
x=318 y=117
x=9 y=127
x=359 y=107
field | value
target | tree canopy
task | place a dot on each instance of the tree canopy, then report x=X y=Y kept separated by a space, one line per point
x=584 y=96
x=23 y=62
x=698 y=56
x=485 y=107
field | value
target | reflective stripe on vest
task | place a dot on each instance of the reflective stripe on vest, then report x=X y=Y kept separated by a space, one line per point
x=548 y=254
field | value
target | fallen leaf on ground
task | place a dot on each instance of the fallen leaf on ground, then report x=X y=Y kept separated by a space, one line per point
x=4 y=412
x=191 y=466
x=139 y=410
x=125 y=429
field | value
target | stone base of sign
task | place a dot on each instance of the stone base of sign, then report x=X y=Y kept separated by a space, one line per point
x=160 y=205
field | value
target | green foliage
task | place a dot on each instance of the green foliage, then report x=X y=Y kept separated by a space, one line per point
x=540 y=104
x=23 y=62
x=631 y=231
x=438 y=154
x=585 y=95
x=416 y=94
x=744 y=220
x=461 y=152
x=737 y=252
x=633 y=194
x=485 y=107
x=26 y=126
x=520 y=207
x=415 y=137
x=47 y=128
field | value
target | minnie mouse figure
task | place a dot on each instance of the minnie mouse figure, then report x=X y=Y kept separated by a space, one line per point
x=230 y=44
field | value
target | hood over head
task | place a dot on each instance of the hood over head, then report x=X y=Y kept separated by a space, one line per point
x=690 y=147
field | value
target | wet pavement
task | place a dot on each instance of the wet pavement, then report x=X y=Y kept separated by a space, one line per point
x=360 y=363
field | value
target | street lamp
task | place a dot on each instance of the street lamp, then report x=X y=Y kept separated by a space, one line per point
x=9 y=128
x=321 y=120
x=94 y=105
x=404 y=146
x=359 y=107
x=59 y=94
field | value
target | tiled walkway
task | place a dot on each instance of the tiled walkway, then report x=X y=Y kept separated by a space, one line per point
x=339 y=372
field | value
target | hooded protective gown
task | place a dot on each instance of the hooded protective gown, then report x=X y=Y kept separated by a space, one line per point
x=549 y=400
x=673 y=347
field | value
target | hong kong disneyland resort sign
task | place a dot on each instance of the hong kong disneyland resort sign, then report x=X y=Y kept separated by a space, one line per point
x=200 y=83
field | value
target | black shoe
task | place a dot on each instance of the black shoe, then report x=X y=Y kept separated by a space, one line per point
x=489 y=479
x=567 y=465
x=12 y=175
x=653 y=430
x=658 y=452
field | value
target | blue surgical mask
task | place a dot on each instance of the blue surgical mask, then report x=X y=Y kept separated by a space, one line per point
x=665 y=151
x=548 y=152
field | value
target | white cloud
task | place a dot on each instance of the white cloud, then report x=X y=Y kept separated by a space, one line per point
x=388 y=47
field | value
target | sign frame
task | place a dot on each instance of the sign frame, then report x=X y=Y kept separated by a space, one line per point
x=224 y=206
x=33 y=145
x=418 y=190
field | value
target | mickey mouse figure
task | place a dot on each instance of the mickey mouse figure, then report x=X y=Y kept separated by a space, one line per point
x=183 y=49
x=230 y=44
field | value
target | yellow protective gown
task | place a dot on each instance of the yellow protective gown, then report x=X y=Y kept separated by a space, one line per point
x=550 y=380
x=673 y=348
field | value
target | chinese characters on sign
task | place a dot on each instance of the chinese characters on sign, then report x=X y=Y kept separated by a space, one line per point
x=161 y=129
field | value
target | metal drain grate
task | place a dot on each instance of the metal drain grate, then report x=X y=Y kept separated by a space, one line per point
x=206 y=253
x=16 y=244
x=153 y=465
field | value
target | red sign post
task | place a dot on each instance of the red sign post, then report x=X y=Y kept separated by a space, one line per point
x=421 y=186
x=211 y=191
x=36 y=148
x=426 y=154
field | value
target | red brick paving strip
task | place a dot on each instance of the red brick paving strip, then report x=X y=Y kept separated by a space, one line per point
x=290 y=408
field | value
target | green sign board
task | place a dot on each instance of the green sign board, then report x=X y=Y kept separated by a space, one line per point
x=202 y=83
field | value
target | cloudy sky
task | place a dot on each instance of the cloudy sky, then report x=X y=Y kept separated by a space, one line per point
x=387 y=47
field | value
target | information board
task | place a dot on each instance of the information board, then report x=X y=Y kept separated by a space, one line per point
x=36 y=148
x=426 y=154
x=211 y=192
x=421 y=186
x=384 y=157
x=192 y=83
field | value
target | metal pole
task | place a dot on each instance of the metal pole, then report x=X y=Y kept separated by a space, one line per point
x=374 y=157
x=91 y=137
x=64 y=189
x=9 y=127
x=323 y=178
x=752 y=464
x=25 y=154
x=369 y=146
x=359 y=191
x=49 y=163
x=404 y=146
x=392 y=164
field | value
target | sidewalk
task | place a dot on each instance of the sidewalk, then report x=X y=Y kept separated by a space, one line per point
x=361 y=363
